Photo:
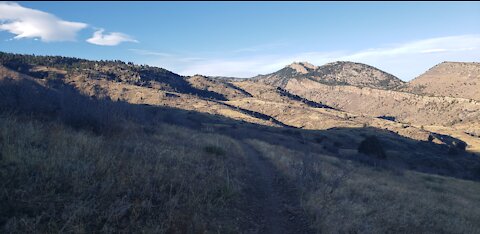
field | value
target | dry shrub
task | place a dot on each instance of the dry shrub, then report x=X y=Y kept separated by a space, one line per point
x=373 y=147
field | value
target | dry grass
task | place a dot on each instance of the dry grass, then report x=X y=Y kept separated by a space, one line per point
x=347 y=197
x=57 y=179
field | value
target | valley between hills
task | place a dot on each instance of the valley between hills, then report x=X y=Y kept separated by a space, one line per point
x=112 y=146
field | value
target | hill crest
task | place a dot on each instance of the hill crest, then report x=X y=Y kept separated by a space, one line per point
x=334 y=73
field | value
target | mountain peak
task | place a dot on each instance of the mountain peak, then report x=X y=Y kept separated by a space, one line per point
x=302 y=67
x=334 y=73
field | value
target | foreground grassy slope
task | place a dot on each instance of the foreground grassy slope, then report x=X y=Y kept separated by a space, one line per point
x=168 y=179
x=173 y=179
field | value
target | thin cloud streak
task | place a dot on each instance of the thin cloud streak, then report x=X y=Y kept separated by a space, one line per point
x=442 y=44
x=150 y=53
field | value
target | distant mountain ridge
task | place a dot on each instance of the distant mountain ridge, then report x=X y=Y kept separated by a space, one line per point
x=335 y=73
x=340 y=86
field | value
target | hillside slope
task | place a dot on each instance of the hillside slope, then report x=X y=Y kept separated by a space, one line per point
x=453 y=79
x=405 y=107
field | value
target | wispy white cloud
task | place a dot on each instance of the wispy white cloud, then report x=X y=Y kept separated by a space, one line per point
x=410 y=59
x=30 y=23
x=242 y=67
x=441 y=44
x=433 y=51
x=150 y=53
x=190 y=59
x=405 y=60
x=109 y=39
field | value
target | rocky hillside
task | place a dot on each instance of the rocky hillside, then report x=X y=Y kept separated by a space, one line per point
x=336 y=73
x=402 y=106
x=453 y=79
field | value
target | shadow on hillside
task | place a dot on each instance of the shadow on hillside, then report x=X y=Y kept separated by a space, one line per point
x=142 y=75
x=63 y=103
x=177 y=83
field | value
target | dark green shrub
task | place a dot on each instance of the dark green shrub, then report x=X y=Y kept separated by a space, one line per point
x=215 y=150
x=372 y=146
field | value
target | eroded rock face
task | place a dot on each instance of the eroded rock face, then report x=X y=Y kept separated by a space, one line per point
x=336 y=73
x=302 y=67
x=454 y=79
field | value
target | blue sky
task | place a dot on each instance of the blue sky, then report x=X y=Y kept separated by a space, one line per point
x=244 y=39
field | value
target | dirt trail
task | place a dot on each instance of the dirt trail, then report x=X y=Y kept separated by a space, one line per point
x=272 y=202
